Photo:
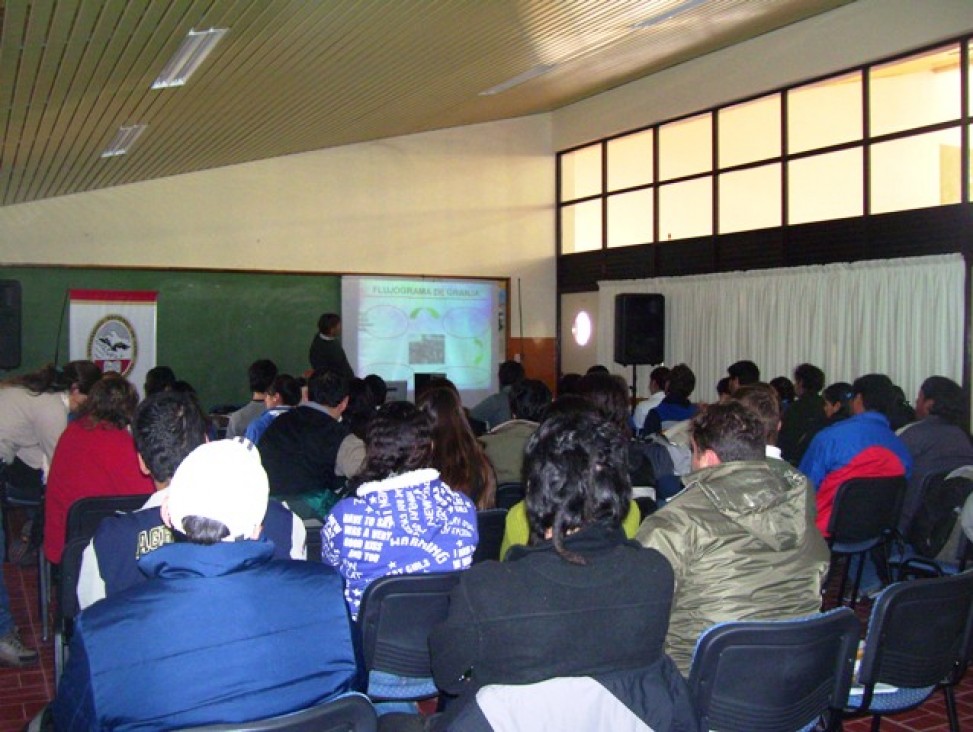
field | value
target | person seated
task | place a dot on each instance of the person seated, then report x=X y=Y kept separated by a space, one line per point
x=300 y=448
x=741 y=537
x=785 y=392
x=403 y=518
x=495 y=409
x=901 y=414
x=862 y=446
x=222 y=633
x=167 y=427
x=723 y=390
x=742 y=373
x=158 y=378
x=283 y=394
x=580 y=601
x=362 y=403
x=675 y=406
x=804 y=414
x=762 y=399
x=504 y=444
x=657 y=392
x=261 y=375
x=936 y=442
x=94 y=457
x=456 y=454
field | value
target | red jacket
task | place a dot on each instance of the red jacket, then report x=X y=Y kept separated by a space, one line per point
x=88 y=461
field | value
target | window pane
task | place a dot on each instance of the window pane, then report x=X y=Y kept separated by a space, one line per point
x=826 y=113
x=916 y=91
x=630 y=218
x=581 y=173
x=916 y=172
x=750 y=131
x=581 y=227
x=686 y=209
x=750 y=199
x=826 y=187
x=686 y=147
x=630 y=161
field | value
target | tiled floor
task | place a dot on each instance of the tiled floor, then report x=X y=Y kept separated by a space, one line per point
x=24 y=691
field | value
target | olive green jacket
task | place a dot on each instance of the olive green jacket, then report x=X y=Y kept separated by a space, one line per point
x=743 y=545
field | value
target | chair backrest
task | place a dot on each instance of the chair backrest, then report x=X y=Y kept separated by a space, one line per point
x=918 y=632
x=67 y=589
x=351 y=713
x=85 y=514
x=772 y=676
x=866 y=509
x=396 y=615
x=509 y=495
x=490 y=525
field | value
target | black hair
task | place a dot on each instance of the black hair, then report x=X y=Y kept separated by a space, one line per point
x=398 y=439
x=81 y=375
x=327 y=388
x=877 y=392
x=597 y=369
x=360 y=409
x=745 y=372
x=111 y=401
x=576 y=473
x=377 y=386
x=811 y=378
x=262 y=374
x=568 y=384
x=784 y=388
x=167 y=426
x=681 y=382
x=947 y=396
x=723 y=386
x=287 y=388
x=660 y=375
x=763 y=400
x=568 y=404
x=731 y=431
x=528 y=399
x=328 y=322
x=839 y=393
x=159 y=379
x=509 y=373
x=610 y=397
x=199 y=530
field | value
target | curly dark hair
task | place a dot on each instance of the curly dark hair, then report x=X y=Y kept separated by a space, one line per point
x=111 y=402
x=398 y=439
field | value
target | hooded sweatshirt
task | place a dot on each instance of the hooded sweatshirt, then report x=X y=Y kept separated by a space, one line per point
x=743 y=545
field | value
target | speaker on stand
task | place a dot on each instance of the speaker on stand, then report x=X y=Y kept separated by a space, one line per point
x=640 y=328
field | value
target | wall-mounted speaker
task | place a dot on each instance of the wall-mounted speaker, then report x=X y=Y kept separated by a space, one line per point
x=9 y=324
x=640 y=328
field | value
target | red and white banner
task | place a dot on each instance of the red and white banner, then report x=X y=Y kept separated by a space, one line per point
x=115 y=329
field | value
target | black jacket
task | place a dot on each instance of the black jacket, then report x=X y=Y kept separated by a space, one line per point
x=299 y=450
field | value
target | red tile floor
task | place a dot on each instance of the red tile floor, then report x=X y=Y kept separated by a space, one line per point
x=24 y=691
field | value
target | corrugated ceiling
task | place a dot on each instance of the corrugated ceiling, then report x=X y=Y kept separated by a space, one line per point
x=297 y=75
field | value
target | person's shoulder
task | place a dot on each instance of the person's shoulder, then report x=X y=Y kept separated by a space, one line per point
x=129 y=522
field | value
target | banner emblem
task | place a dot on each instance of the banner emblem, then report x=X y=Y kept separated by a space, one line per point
x=112 y=345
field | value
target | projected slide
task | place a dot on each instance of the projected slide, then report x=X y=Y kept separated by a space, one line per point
x=404 y=327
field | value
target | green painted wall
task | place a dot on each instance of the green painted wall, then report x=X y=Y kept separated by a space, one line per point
x=210 y=325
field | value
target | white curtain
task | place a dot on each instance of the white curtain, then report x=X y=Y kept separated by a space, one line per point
x=901 y=317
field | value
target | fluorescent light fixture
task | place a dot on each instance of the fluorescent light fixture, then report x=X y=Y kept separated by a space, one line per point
x=533 y=73
x=191 y=54
x=123 y=140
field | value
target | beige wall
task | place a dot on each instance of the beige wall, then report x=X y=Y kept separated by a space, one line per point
x=474 y=201
x=853 y=34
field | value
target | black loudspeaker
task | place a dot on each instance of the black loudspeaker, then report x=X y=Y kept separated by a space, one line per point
x=9 y=324
x=640 y=328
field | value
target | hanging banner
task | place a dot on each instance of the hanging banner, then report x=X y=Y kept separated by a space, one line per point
x=115 y=329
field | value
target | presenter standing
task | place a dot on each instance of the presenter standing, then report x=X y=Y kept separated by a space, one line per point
x=326 y=353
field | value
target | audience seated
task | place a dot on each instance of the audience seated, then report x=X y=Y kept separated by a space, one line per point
x=158 y=378
x=403 y=518
x=495 y=409
x=723 y=390
x=504 y=444
x=95 y=456
x=936 y=442
x=900 y=414
x=675 y=406
x=299 y=449
x=568 y=384
x=805 y=414
x=261 y=375
x=459 y=458
x=223 y=634
x=362 y=403
x=741 y=537
x=580 y=601
x=283 y=394
x=742 y=373
x=862 y=446
x=785 y=392
x=761 y=399
x=167 y=427
x=657 y=392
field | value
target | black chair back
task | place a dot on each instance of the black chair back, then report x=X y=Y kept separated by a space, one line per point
x=866 y=509
x=352 y=713
x=396 y=615
x=85 y=514
x=67 y=601
x=774 y=676
x=509 y=495
x=490 y=525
